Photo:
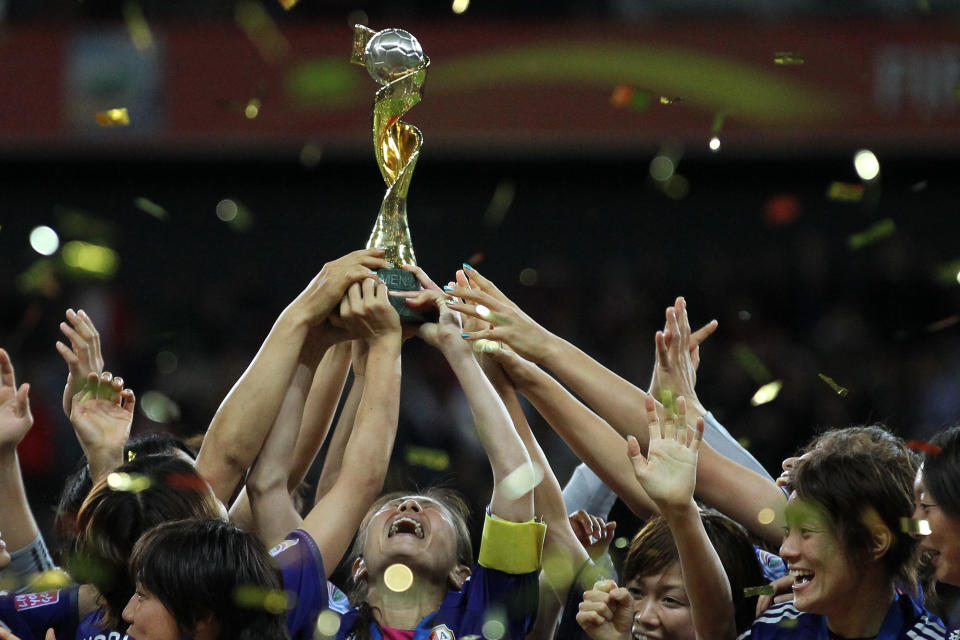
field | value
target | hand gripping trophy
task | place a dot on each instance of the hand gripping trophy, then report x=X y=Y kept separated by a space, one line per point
x=394 y=58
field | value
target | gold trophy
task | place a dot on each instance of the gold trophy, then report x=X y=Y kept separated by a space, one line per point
x=394 y=58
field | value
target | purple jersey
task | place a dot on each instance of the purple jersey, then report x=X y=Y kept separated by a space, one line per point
x=488 y=595
x=29 y=615
x=303 y=575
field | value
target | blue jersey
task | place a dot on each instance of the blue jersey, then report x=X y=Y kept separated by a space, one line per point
x=303 y=576
x=905 y=620
x=772 y=565
x=487 y=595
x=30 y=615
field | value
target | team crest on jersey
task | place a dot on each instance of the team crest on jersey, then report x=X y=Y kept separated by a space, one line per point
x=955 y=635
x=442 y=632
x=283 y=546
x=32 y=600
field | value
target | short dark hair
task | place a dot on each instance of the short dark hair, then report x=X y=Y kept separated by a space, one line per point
x=110 y=522
x=653 y=550
x=941 y=471
x=847 y=483
x=77 y=485
x=197 y=568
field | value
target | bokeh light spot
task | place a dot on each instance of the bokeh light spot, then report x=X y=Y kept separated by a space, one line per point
x=398 y=577
x=44 y=240
x=866 y=164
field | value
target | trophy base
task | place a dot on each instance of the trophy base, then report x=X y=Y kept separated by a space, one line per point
x=401 y=280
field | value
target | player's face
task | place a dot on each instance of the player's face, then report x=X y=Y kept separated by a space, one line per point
x=943 y=543
x=661 y=609
x=149 y=619
x=824 y=575
x=413 y=530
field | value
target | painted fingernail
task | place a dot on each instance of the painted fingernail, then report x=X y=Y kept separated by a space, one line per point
x=464 y=335
x=467 y=267
x=446 y=288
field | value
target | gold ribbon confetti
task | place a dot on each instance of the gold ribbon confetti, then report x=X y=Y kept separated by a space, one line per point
x=788 y=58
x=669 y=100
x=841 y=391
x=762 y=590
x=882 y=229
x=113 y=117
x=845 y=192
x=915 y=526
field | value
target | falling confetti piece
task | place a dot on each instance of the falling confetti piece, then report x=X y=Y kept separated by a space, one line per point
x=766 y=515
x=254 y=20
x=626 y=96
x=522 y=480
x=788 y=58
x=476 y=258
x=52 y=579
x=249 y=596
x=328 y=623
x=500 y=203
x=132 y=482
x=137 y=26
x=788 y=623
x=925 y=447
x=845 y=192
x=882 y=229
x=669 y=100
x=435 y=459
x=148 y=206
x=762 y=590
x=940 y=325
x=90 y=259
x=751 y=363
x=718 y=120
x=915 y=526
x=621 y=543
x=113 y=117
x=398 y=577
x=841 y=391
x=288 y=4
x=493 y=630
x=766 y=393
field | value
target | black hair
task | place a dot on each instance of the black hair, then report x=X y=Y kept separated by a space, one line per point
x=200 y=569
x=941 y=471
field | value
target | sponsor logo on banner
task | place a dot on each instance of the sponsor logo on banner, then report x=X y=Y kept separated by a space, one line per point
x=32 y=600
x=442 y=632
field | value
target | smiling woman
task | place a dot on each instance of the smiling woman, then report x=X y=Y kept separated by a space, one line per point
x=852 y=561
x=939 y=504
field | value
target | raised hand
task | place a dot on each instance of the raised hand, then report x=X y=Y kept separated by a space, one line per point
x=328 y=287
x=508 y=323
x=366 y=312
x=678 y=356
x=606 y=612
x=83 y=356
x=593 y=533
x=15 y=416
x=669 y=472
x=446 y=333
x=101 y=416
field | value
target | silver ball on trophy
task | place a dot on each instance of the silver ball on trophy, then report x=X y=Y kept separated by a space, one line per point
x=392 y=53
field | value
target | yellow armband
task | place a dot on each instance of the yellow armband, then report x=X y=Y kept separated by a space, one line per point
x=511 y=547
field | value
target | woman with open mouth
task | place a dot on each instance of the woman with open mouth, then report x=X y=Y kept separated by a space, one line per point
x=851 y=559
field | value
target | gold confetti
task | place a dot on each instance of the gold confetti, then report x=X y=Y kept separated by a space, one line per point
x=788 y=623
x=669 y=100
x=398 y=577
x=435 y=459
x=915 y=526
x=113 y=117
x=621 y=543
x=486 y=346
x=133 y=482
x=788 y=58
x=252 y=110
x=841 y=391
x=131 y=455
x=148 y=206
x=762 y=590
x=251 y=596
x=718 y=120
x=845 y=192
x=751 y=363
x=939 y=325
x=766 y=393
x=263 y=32
x=137 y=26
x=493 y=630
x=766 y=515
x=50 y=580
x=522 y=480
x=288 y=4
x=882 y=229
x=328 y=623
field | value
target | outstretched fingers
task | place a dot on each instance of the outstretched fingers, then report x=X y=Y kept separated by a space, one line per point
x=7 y=377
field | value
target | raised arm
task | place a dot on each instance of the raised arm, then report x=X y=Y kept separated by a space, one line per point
x=729 y=479
x=512 y=500
x=240 y=425
x=668 y=475
x=348 y=415
x=366 y=311
x=19 y=527
x=83 y=356
x=101 y=413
